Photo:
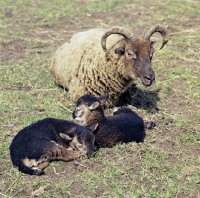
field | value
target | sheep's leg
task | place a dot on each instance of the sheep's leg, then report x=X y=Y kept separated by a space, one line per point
x=53 y=151
x=58 y=152
x=68 y=154
x=149 y=124
x=30 y=166
x=42 y=165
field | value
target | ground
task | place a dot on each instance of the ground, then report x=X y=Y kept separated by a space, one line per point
x=167 y=163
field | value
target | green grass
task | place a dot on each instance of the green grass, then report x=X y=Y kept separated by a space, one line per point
x=167 y=164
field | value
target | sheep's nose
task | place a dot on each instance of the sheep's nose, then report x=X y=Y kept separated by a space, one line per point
x=150 y=78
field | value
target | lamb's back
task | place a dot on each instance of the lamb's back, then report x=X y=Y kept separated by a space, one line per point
x=32 y=138
x=129 y=125
x=124 y=127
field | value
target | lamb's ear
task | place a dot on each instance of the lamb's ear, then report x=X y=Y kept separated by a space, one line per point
x=65 y=136
x=94 y=105
x=103 y=98
x=93 y=127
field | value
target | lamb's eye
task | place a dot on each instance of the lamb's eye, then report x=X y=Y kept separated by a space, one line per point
x=78 y=109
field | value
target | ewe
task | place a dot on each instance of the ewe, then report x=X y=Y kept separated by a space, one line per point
x=101 y=61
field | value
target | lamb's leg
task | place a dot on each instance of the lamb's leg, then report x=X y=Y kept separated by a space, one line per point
x=42 y=165
x=149 y=124
x=68 y=154
x=58 y=152
x=54 y=151
x=29 y=166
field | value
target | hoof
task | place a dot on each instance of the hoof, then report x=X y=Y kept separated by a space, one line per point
x=38 y=172
x=149 y=125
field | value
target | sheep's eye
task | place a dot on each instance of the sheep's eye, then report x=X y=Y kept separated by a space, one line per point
x=78 y=109
x=131 y=54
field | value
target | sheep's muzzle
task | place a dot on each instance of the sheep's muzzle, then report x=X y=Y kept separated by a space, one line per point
x=148 y=80
x=144 y=71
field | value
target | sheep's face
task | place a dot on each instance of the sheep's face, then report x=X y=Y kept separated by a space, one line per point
x=83 y=140
x=138 y=54
x=84 y=143
x=89 y=109
x=80 y=113
x=85 y=113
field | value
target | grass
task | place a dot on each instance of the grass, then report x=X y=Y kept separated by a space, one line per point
x=167 y=164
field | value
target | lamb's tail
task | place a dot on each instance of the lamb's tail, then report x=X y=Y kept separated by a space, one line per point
x=149 y=124
x=28 y=170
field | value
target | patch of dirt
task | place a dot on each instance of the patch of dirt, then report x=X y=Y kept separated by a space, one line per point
x=13 y=50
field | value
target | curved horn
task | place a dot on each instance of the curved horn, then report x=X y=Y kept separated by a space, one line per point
x=114 y=30
x=157 y=28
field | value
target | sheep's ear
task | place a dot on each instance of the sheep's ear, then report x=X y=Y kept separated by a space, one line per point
x=103 y=98
x=93 y=127
x=120 y=51
x=93 y=106
x=65 y=136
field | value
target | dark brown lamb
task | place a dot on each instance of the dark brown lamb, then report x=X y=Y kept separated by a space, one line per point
x=123 y=126
x=100 y=61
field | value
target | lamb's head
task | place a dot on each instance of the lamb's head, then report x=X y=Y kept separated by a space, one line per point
x=137 y=51
x=81 y=139
x=89 y=109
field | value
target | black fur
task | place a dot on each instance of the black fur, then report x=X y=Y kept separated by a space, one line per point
x=37 y=139
x=124 y=126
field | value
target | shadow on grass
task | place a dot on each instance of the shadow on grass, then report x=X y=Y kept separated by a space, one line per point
x=142 y=99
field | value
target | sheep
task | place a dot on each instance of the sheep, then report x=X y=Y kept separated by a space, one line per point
x=50 y=139
x=100 y=61
x=123 y=126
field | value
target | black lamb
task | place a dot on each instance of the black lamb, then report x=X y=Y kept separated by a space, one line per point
x=50 y=139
